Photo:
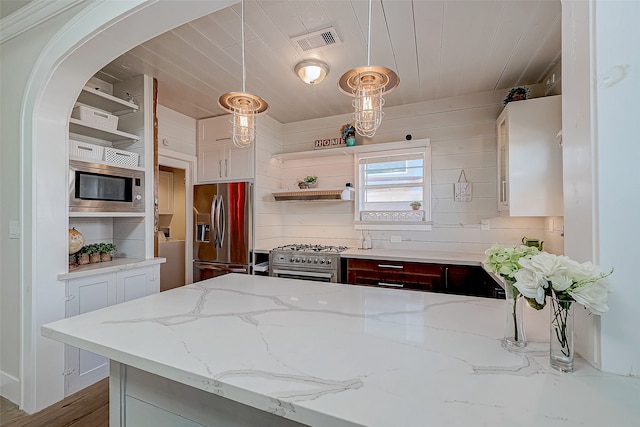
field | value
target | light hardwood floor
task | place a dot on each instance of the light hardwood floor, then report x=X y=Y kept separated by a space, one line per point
x=86 y=408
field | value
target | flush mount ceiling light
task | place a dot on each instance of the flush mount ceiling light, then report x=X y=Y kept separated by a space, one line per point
x=311 y=71
x=244 y=107
x=367 y=85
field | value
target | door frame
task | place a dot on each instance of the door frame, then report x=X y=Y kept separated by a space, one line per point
x=177 y=160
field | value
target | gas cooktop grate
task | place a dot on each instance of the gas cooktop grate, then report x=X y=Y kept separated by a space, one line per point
x=296 y=247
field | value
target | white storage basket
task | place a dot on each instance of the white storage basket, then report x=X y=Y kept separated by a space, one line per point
x=95 y=117
x=120 y=157
x=85 y=151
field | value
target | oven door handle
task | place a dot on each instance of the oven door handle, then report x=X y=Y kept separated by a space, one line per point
x=303 y=273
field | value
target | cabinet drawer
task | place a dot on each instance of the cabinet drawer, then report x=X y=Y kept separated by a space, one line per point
x=393 y=274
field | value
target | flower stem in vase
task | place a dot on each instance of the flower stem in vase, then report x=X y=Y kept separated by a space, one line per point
x=561 y=352
x=514 y=336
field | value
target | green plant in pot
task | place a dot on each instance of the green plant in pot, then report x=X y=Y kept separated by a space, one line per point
x=517 y=94
x=82 y=256
x=415 y=205
x=106 y=251
x=308 y=181
x=94 y=252
x=348 y=134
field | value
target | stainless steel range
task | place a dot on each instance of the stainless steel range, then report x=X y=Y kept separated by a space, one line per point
x=309 y=262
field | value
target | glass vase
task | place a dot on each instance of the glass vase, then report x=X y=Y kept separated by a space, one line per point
x=514 y=336
x=561 y=335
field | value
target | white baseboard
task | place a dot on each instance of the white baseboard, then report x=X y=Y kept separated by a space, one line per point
x=10 y=387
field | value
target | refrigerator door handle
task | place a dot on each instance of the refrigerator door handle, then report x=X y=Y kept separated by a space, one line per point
x=217 y=204
x=221 y=221
x=212 y=217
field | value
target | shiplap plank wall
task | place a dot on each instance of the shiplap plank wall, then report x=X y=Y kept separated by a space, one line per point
x=267 y=216
x=462 y=134
x=176 y=132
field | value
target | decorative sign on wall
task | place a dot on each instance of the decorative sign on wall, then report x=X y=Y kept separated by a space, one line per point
x=462 y=190
x=321 y=144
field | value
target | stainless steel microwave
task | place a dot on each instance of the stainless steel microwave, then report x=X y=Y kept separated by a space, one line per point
x=95 y=187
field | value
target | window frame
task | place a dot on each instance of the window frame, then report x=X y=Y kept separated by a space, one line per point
x=393 y=149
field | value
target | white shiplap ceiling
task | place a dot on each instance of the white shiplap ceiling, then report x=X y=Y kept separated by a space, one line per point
x=438 y=48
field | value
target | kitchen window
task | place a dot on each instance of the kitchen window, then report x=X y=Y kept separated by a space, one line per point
x=388 y=182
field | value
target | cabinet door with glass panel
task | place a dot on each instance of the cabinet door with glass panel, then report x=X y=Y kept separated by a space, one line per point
x=394 y=188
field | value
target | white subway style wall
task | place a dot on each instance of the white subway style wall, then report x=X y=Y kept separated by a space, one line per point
x=176 y=132
x=463 y=136
x=267 y=217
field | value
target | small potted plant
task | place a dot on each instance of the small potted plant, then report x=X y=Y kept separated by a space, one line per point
x=348 y=134
x=308 y=181
x=94 y=252
x=106 y=251
x=517 y=94
x=83 y=256
x=415 y=205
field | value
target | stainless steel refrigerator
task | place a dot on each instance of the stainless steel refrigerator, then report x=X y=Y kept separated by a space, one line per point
x=223 y=229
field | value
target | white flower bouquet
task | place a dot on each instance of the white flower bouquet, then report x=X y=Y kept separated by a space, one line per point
x=564 y=281
x=562 y=278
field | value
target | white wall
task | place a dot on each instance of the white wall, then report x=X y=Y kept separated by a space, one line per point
x=19 y=56
x=43 y=71
x=601 y=154
x=617 y=154
x=268 y=221
x=462 y=131
x=176 y=132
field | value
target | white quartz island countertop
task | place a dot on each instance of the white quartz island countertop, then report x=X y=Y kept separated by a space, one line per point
x=435 y=257
x=341 y=355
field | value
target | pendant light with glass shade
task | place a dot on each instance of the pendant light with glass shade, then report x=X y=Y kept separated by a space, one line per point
x=244 y=107
x=367 y=85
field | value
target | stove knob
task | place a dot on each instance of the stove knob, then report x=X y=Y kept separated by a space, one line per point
x=315 y=260
x=303 y=260
x=292 y=259
x=328 y=261
x=297 y=259
x=322 y=261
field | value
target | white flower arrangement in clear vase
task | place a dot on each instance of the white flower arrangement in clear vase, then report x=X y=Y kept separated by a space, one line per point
x=565 y=281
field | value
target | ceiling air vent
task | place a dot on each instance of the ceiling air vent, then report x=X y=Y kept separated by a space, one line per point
x=317 y=40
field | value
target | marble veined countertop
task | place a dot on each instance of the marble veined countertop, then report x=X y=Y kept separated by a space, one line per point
x=117 y=264
x=341 y=355
x=436 y=257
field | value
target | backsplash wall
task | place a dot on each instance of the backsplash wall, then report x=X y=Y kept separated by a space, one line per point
x=462 y=134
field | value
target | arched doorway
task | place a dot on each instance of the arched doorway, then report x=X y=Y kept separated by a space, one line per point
x=84 y=43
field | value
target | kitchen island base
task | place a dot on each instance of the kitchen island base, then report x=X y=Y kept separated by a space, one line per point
x=139 y=398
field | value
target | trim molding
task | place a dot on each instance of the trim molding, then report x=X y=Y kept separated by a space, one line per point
x=32 y=15
x=10 y=388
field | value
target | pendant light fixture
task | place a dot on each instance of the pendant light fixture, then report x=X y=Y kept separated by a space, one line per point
x=244 y=107
x=367 y=85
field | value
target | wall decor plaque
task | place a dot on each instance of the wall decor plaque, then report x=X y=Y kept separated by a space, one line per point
x=321 y=144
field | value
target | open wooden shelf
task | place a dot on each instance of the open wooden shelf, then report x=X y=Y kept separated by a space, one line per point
x=308 y=195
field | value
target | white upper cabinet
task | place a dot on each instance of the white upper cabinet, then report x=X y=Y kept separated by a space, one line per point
x=530 y=158
x=218 y=159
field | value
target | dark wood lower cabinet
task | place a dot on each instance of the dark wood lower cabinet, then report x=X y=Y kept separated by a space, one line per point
x=446 y=278
x=393 y=274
